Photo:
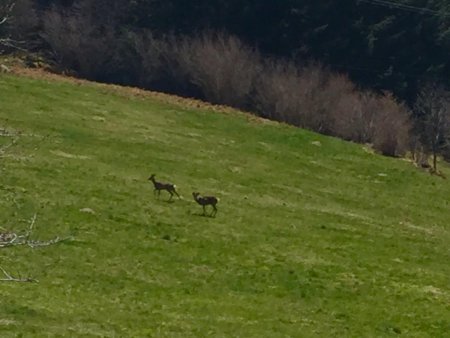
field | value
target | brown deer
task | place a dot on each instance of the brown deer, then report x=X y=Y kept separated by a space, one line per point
x=169 y=187
x=206 y=200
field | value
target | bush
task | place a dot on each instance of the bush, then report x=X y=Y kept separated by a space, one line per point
x=332 y=102
x=152 y=54
x=221 y=69
x=92 y=49
x=275 y=92
x=288 y=93
x=391 y=127
x=219 y=65
x=314 y=98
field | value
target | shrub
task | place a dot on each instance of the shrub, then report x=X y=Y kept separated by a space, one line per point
x=355 y=116
x=391 y=127
x=81 y=44
x=221 y=69
x=153 y=55
x=288 y=93
x=219 y=65
x=332 y=103
x=275 y=92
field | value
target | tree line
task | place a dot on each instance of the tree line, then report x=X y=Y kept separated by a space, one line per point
x=362 y=70
x=390 y=48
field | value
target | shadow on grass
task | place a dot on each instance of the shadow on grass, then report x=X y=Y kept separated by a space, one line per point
x=164 y=201
x=204 y=215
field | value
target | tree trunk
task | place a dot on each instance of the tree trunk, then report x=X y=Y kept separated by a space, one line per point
x=434 y=161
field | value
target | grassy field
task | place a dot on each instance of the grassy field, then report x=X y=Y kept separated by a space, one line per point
x=314 y=237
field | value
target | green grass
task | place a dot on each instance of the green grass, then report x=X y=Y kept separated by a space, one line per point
x=314 y=237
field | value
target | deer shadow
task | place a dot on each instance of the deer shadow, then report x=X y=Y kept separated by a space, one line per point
x=204 y=215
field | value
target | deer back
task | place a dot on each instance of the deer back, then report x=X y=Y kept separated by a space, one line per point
x=208 y=200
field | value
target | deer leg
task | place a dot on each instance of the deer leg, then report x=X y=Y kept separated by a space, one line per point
x=176 y=194
x=204 y=211
x=214 y=210
x=171 y=195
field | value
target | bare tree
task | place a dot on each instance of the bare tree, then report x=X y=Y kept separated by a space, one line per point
x=7 y=14
x=432 y=108
x=5 y=11
x=6 y=8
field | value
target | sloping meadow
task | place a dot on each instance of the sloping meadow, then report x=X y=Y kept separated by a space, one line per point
x=314 y=236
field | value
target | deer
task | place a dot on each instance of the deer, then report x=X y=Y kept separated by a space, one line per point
x=169 y=187
x=206 y=200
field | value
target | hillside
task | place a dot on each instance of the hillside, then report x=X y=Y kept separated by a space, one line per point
x=314 y=237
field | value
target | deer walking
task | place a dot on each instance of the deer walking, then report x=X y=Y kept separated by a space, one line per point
x=169 y=187
x=206 y=200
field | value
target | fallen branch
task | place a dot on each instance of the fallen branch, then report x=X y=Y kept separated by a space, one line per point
x=35 y=244
x=6 y=147
x=30 y=228
x=6 y=133
x=19 y=240
x=9 y=278
x=8 y=239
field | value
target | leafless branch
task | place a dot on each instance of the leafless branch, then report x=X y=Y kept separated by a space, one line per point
x=6 y=133
x=11 y=43
x=57 y=239
x=6 y=16
x=6 y=12
x=6 y=147
x=30 y=228
x=8 y=239
x=9 y=278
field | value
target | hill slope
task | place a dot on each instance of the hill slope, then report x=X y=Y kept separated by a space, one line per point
x=314 y=236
